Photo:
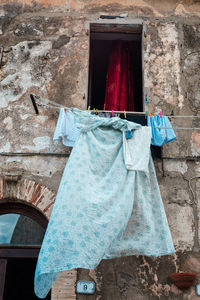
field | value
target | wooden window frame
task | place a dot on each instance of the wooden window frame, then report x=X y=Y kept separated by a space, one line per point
x=3 y=265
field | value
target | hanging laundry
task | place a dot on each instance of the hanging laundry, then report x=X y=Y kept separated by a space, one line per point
x=119 y=83
x=66 y=128
x=102 y=210
x=162 y=135
x=104 y=114
x=136 y=149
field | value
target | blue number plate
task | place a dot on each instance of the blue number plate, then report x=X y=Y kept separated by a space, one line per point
x=198 y=289
x=85 y=287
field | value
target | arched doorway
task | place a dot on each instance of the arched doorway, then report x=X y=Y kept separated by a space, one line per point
x=22 y=228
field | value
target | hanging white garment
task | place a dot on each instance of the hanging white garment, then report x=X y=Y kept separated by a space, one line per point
x=136 y=150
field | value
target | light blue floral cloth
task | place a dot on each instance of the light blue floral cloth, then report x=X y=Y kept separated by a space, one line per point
x=102 y=210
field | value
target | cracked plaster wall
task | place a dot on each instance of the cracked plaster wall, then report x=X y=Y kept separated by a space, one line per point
x=46 y=50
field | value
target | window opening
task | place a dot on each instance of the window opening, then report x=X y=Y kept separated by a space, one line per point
x=103 y=38
x=17 y=229
x=22 y=230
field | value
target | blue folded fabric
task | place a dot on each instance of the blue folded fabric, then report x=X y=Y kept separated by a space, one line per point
x=66 y=128
x=163 y=135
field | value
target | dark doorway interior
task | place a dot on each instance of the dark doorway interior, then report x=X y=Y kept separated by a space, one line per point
x=100 y=47
x=19 y=280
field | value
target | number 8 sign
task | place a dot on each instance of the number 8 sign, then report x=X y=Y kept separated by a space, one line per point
x=85 y=287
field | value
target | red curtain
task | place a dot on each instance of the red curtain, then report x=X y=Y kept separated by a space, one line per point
x=119 y=82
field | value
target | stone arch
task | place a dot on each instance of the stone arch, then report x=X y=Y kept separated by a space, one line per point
x=29 y=191
x=12 y=187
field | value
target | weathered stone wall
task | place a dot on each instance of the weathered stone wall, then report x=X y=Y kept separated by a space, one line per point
x=45 y=52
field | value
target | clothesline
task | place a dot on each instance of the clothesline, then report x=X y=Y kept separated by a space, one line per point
x=57 y=105
x=178 y=128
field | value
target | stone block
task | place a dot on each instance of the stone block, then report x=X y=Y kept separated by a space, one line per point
x=181 y=222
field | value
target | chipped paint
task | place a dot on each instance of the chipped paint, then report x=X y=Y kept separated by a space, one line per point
x=25 y=116
x=14 y=159
x=41 y=143
x=176 y=166
x=181 y=224
x=6 y=147
x=9 y=123
x=195 y=143
x=21 y=61
x=162 y=67
x=41 y=167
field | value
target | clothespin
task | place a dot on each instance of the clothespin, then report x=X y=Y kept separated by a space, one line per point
x=129 y=134
x=145 y=114
x=150 y=114
x=160 y=113
x=172 y=114
x=96 y=112
x=124 y=114
x=112 y=113
x=146 y=100
x=89 y=108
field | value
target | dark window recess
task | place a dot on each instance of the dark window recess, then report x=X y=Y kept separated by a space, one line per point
x=101 y=40
x=19 y=281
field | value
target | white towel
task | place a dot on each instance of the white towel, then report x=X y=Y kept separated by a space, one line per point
x=137 y=149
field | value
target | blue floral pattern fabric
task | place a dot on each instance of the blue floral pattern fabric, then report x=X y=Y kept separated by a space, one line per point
x=102 y=210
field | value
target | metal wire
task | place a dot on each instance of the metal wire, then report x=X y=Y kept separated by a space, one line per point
x=68 y=154
x=178 y=128
x=34 y=154
x=57 y=105
x=181 y=157
x=142 y=113
x=134 y=113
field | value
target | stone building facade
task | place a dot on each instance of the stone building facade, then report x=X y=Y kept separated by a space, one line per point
x=45 y=52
